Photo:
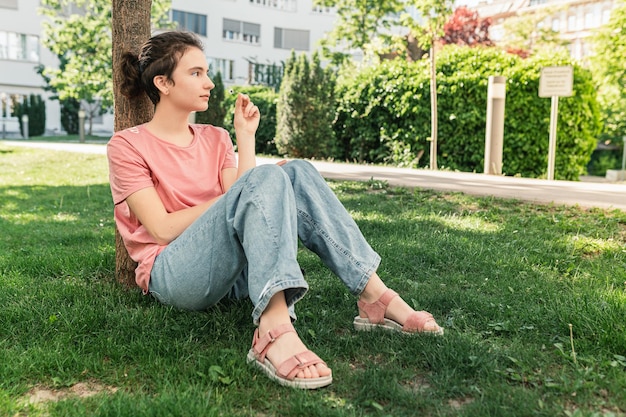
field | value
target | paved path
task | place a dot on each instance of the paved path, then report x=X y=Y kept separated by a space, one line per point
x=582 y=193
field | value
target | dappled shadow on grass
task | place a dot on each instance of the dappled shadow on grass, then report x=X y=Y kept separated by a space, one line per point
x=513 y=261
x=505 y=278
x=50 y=231
x=512 y=275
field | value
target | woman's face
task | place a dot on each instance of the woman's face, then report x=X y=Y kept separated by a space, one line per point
x=191 y=86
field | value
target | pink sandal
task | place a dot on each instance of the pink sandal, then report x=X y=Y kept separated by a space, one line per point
x=286 y=372
x=372 y=315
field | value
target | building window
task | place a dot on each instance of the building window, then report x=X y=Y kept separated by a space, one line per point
x=226 y=68
x=8 y=4
x=265 y=74
x=556 y=25
x=241 y=31
x=285 y=5
x=536 y=2
x=323 y=9
x=192 y=22
x=572 y=23
x=19 y=47
x=291 y=39
x=592 y=19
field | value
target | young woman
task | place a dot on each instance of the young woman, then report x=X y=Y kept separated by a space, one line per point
x=203 y=224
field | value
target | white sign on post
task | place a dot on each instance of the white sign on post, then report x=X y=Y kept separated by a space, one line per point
x=555 y=82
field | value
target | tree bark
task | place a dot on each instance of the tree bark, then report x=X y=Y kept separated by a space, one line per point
x=433 y=108
x=130 y=28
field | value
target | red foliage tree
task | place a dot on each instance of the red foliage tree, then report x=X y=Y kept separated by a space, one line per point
x=466 y=28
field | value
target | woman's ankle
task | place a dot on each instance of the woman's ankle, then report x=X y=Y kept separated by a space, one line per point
x=373 y=290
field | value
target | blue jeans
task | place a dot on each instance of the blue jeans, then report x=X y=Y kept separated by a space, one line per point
x=246 y=244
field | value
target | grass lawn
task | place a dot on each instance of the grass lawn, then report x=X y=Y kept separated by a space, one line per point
x=69 y=139
x=533 y=298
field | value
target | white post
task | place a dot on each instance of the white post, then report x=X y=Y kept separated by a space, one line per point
x=81 y=125
x=494 y=132
x=554 y=112
x=624 y=155
x=25 y=125
x=5 y=112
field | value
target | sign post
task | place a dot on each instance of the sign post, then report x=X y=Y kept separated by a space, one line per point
x=494 y=132
x=555 y=82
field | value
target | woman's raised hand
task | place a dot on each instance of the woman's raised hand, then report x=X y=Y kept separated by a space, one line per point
x=247 y=117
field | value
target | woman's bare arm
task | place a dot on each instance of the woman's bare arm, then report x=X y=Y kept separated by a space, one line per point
x=164 y=227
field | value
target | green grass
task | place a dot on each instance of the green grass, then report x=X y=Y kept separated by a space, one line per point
x=506 y=279
x=69 y=139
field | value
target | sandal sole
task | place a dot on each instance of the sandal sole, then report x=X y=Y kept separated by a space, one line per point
x=363 y=324
x=301 y=383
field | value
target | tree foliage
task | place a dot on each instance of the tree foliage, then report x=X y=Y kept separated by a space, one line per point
x=610 y=72
x=525 y=34
x=427 y=28
x=465 y=27
x=427 y=25
x=34 y=107
x=305 y=108
x=359 y=25
x=79 y=33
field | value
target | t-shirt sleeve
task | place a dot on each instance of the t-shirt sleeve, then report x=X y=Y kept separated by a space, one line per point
x=230 y=160
x=128 y=170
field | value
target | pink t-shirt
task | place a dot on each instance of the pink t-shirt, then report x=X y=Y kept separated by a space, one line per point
x=182 y=176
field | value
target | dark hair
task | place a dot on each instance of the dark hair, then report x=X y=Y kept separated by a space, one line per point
x=158 y=56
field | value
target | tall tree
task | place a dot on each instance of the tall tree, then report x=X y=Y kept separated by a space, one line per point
x=465 y=27
x=526 y=34
x=79 y=32
x=360 y=24
x=609 y=71
x=364 y=24
x=305 y=109
x=130 y=28
x=427 y=27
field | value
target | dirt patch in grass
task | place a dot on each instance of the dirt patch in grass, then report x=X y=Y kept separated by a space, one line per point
x=460 y=403
x=86 y=389
x=416 y=386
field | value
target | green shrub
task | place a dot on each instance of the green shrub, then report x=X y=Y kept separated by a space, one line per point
x=305 y=109
x=264 y=98
x=604 y=159
x=527 y=123
x=69 y=115
x=35 y=108
x=216 y=111
x=384 y=114
x=380 y=111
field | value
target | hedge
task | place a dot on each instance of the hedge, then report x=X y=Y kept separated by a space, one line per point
x=265 y=99
x=383 y=114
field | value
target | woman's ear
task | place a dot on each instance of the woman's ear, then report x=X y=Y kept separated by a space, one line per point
x=161 y=82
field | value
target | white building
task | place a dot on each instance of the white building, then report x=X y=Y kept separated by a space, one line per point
x=238 y=35
x=20 y=54
x=573 y=20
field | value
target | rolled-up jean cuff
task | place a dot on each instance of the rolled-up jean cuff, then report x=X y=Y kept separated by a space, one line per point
x=292 y=295
x=367 y=274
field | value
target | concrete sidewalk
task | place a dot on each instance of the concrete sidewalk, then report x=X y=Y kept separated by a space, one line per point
x=582 y=193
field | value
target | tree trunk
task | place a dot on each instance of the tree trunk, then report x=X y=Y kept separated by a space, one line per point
x=130 y=26
x=433 y=108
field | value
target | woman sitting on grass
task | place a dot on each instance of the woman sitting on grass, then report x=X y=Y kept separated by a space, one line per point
x=203 y=225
